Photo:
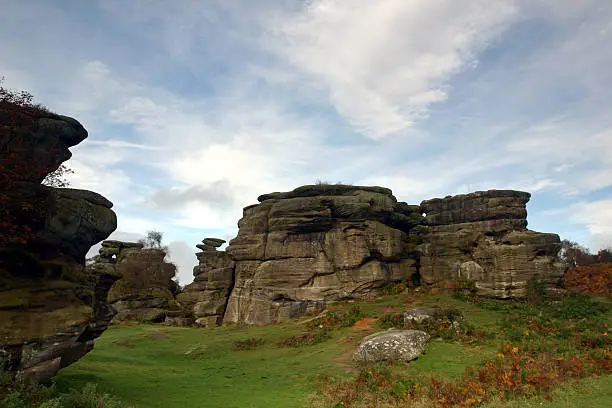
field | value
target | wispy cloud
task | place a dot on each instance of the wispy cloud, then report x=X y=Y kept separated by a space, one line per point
x=382 y=64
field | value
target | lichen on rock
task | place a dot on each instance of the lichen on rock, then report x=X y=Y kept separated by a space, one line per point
x=392 y=345
x=51 y=309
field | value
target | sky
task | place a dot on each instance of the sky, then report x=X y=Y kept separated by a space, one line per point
x=194 y=108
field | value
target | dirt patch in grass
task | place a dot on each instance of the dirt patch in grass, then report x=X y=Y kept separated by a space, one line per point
x=158 y=335
x=124 y=342
x=345 y=360
x=358 y=331
x=364 y=324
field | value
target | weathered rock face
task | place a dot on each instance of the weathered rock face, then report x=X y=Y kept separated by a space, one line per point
x=297 y=250
x=206 y=298
x=143 y=293
x=483 y=237
x=51 y=310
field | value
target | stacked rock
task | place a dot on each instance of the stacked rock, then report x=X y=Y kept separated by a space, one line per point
x=206 y=298
x=111 y=249
x=210 y=244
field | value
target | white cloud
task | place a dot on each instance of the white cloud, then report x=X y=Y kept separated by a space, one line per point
x=383 y=63
x=181 y=254
x=120 y=144
x=597 y=217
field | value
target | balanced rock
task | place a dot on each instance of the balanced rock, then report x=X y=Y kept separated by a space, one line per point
x=51 y=308
x=483 y=238
x=392 y=345
x=213 y=242
x=205 y=299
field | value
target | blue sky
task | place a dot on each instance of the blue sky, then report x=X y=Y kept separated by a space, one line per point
x=194 y=108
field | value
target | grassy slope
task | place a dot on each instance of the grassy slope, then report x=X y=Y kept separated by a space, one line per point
x=148 y=365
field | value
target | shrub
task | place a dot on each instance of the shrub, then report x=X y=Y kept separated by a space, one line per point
x=90 y=397
x=30 y=395
x=464 y=289
x=448 y=324
x=536 y=291
x=250 y=343
x=309 y=338
x=390 y=320
x=336 y=319
x=593 y=279
x=395 y=288
x=321 y=328
x=516 y=372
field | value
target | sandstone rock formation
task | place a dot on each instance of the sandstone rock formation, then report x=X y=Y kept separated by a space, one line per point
x=483 y=237
x=392 y=345
x=297 y=250
x=143 y=293
x=206 y=298
x=50 y=309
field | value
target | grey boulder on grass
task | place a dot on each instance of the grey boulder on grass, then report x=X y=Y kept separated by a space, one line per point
x=392 y=345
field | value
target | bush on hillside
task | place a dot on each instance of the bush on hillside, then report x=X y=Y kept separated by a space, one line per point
x=595 y=279
x=250 y=343
x=544 y=345
x=322 y=327
x=19 y=119
x=22 y=395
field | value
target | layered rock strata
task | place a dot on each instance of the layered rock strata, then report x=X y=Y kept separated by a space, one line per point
x=144 y=292
x=483 y=237
x=206 y=298
x=297 y=250
x=51 y=310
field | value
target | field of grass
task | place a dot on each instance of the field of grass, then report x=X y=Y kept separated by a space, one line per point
x=159 y=366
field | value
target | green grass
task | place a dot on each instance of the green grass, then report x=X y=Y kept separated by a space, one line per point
x=156 y=366
x=159 y=366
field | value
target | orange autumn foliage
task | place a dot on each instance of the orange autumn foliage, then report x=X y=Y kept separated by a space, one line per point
x=595 y=279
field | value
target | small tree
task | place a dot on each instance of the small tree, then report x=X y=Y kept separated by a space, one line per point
x=604 y=255
x=58 y=178
x=153 y=239
x=574 y=254
x=19 y=118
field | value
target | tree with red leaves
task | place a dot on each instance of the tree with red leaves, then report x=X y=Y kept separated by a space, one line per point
x=19 y=118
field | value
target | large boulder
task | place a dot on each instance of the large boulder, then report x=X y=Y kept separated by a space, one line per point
x=297 y=250
x=392 y=345
x=483 y=238
x=51 y=309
